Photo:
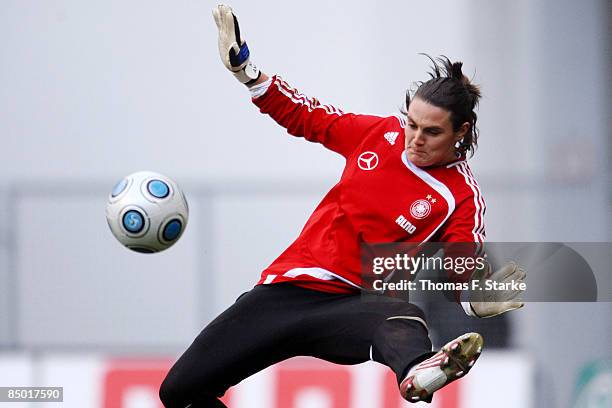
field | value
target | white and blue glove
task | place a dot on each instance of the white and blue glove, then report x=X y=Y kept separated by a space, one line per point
x=233 y=50
x=489 y=303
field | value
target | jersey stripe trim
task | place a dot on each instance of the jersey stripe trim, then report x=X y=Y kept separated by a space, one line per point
x=436 y=185
x=269 y=279
x=477 y=199
x=480 y=199
x=294 y=95
x=461 y=169
x=402 y=120
x=478 y=229
x=299 y=98
x=318 y=273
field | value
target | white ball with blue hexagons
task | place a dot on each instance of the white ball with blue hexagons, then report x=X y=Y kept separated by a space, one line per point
x=147 y=212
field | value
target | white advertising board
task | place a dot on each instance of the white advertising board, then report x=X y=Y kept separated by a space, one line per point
x=98 y=381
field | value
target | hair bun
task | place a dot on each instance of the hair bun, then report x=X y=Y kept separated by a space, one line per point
x=449 y=89
x=456 y=71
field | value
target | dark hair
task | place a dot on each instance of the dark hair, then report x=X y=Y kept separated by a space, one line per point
x=449 y=89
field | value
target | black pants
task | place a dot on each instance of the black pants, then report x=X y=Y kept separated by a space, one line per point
x=272 y=323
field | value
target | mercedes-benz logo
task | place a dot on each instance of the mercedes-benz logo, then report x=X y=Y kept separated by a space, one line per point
x=367 y=161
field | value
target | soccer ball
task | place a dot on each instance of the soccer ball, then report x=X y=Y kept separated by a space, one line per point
x=147 y=212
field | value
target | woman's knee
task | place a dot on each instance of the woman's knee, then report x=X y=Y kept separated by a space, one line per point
x=170 y=391
x=181 y=388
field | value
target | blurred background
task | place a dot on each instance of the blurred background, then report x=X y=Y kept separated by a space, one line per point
x=91 y=91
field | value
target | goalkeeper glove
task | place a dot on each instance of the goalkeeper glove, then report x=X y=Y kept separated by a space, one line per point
x=233 y=49
x=492 y=302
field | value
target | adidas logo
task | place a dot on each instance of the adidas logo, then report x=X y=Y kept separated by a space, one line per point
x=391 y=136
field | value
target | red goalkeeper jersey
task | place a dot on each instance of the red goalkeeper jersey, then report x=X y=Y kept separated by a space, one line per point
x=381 y=196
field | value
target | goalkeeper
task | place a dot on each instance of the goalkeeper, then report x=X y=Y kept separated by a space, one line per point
x=406 y=179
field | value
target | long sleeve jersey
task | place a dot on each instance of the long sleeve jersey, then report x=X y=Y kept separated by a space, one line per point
x=381 y=196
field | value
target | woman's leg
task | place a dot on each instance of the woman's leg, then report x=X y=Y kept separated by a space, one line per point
x=352 y=329
x=393 y=332
x=248 y=337
x=272 y=323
